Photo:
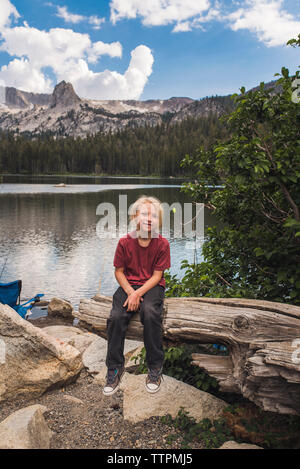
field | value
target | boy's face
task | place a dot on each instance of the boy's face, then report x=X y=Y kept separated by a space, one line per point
x=147 y=218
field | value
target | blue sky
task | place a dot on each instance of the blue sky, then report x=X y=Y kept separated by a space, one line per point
x=146 y=49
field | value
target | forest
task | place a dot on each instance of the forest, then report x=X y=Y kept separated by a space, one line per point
x=148 y=150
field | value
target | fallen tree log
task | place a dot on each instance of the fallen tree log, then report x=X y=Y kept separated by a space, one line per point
x=262 y=337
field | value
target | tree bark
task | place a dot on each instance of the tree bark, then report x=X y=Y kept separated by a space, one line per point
x=261 y=337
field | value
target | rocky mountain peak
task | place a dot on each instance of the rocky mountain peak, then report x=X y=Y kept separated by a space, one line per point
x=64 y=96
x=33 y=113
x=15 y=98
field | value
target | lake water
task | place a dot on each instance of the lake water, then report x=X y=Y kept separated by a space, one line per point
x=49 y=237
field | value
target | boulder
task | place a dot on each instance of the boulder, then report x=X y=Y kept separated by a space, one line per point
x=60 y=308
x=72 y=336
x=139 y=405
x=130 y=364
x=100 y=377
x=25 y=429
x=95 y=355
x=31 y=360
x=132 y=347
x=235 y=445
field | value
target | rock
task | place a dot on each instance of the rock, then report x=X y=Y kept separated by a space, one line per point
x=64 y=96
x=25 y=429
x=41 y=303
x=31 y=360
x=59 y=307
x=235 y=445
x=100 y=377
x=15 y=98
x=132 y=353
x=72 y=336
x=132 y=346
x=73 y=399
x=139 y=405
x=95 y=355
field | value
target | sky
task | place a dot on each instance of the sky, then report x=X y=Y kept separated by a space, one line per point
x=146 y=49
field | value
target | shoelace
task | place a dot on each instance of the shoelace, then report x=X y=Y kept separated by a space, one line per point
x=154 y=374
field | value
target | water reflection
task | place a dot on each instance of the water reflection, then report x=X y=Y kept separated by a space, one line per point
x=50 y=241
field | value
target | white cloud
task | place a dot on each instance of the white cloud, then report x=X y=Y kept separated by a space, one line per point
x=273 y=25
x=95 y=21
x=113 y=85
x=62 y=12
x=214 y=13
x=182 y=27
x=7 y=11
x=114 y=49
x=56 y=48
x=159 y=12
x=67 y=53
x=68 y=17
x=267 y=19
x=20 y=74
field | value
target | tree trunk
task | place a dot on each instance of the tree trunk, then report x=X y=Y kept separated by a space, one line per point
x=262 y=338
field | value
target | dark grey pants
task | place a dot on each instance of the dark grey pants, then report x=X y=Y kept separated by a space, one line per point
x=151 y=317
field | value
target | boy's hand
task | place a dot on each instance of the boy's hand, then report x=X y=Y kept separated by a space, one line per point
x=133 y=301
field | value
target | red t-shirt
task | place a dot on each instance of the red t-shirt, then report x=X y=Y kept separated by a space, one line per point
x=140 y=262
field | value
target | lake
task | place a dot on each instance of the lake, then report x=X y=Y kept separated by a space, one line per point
x=49 y=236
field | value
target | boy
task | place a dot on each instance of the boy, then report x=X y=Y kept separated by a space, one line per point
x=140 y=260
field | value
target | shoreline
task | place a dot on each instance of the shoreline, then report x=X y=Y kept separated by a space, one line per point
x=51 y=188
x=102 y=175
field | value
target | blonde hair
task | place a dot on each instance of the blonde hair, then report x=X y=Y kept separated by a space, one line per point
x=144 y=199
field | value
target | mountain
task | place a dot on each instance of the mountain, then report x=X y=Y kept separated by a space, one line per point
x=63 y=113
x=21 y=99
x=64 y=96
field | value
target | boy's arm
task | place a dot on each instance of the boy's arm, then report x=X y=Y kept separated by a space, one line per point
x=122 y=280
x=151 y=282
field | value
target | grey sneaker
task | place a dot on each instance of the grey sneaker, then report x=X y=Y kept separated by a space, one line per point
x=113 y=379
x=153 y=379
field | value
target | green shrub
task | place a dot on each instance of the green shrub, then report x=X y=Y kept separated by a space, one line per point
x=212 y=434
